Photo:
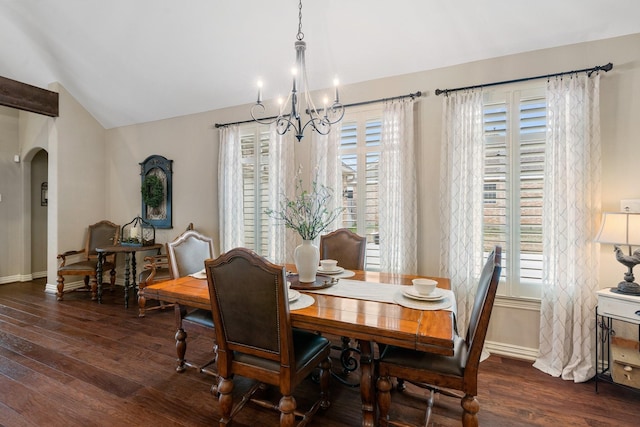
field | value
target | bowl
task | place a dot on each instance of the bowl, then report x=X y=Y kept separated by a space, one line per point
x=328 y=264
x=424 y=286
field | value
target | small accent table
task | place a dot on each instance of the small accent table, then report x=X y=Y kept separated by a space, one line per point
x=129 y=266
x=612 y=305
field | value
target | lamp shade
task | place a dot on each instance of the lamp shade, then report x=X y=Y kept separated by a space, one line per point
x=620 y=228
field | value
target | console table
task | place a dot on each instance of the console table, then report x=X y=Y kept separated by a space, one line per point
x=612 y=305
x=129 y=266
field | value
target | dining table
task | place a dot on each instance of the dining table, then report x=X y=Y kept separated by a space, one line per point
x=367 y=306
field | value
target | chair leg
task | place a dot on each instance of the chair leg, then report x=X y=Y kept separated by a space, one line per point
x=94 y=287
x=225 y=399
x=60 y=292
x=181 y=349
x=470 y=408
x=287 y=407
x=112 y=279
x=384 y=399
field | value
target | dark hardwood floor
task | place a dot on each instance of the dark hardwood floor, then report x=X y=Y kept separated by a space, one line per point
x=77 y=363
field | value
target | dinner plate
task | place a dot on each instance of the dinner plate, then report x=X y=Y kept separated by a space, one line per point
x=436 y=295
x=202 y=274
x=293 y=295
x=336 y=270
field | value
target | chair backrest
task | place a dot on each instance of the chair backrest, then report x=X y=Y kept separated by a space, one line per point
x=348 y=248
x=188 y=252
x=482 y=307
x=100 y=234
x=250 y=309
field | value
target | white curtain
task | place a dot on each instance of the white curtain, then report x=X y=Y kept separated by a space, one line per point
x=282 y=241
x=397 y=190
x=230 y=206
x=461 y=193
x=325 y=159
x=571 y=210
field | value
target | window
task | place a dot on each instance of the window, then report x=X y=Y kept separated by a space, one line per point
x=360 y=156
x=514 y=130
x=255 y=180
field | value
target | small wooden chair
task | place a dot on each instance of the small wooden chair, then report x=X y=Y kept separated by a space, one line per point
x=100 y=234
x=249 y=302
x=442 y=373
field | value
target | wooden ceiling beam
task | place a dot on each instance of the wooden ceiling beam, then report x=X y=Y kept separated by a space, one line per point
x=29 y=98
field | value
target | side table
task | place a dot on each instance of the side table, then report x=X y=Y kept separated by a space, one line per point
x=612 y=305
x=129 y=266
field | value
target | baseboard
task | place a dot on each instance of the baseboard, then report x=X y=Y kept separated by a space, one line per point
x=39 y=274
x=16 y=278
x=513 y=351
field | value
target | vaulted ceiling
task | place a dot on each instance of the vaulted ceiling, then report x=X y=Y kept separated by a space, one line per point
x=133 y=61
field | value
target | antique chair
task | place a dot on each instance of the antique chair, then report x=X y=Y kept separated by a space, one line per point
x=255 y=339
x=186 y=255
x=439 y=373
x=100 y=234
x=346 y=247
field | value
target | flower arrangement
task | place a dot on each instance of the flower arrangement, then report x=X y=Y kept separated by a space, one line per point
x=307 y=212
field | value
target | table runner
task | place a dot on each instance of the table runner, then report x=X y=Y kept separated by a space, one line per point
x=382 y=292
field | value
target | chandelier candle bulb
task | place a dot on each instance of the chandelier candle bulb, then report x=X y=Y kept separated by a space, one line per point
x=259 y=91
x=335 y=83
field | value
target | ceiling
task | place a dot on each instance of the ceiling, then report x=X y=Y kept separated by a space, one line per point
x=133 y=61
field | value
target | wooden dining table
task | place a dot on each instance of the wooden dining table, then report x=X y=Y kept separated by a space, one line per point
x=368 y=322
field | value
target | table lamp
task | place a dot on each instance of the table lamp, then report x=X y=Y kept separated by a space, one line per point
x=623 y=228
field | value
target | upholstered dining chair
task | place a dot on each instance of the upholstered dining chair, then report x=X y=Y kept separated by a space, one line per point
x=255 y=339
x=439 y=373
x=186 y=255
x=346 y=247
x=100 y=234
x=349 y=249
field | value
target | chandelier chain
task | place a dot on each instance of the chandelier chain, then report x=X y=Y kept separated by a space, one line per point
x=300 y=34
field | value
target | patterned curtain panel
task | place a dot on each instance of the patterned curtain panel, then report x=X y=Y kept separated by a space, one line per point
x=397 y=190
x=571 y=209
x=230 y=189
x=282 y=241
x=461 y=197
x=325 y=159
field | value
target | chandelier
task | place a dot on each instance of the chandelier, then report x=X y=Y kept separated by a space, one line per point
x=319 y=120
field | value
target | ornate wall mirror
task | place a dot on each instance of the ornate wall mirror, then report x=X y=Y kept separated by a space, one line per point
x=156 y=176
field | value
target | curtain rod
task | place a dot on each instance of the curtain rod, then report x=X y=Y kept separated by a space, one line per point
x=589 y=71
x=417 y=94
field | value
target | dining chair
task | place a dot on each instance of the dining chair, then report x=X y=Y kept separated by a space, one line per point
x=442 y=374
x=186 y=255
x=346 y=247
x=85 y=261
x=249 y=302
x=349 y=249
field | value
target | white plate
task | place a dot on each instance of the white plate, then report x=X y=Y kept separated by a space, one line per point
x=202 y=274
x=337 y=270
x=436 y=295
x=293 y=295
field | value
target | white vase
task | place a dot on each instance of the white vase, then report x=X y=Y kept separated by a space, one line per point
x=307 y=257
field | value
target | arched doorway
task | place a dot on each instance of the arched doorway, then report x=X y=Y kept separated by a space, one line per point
x=39 y=213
